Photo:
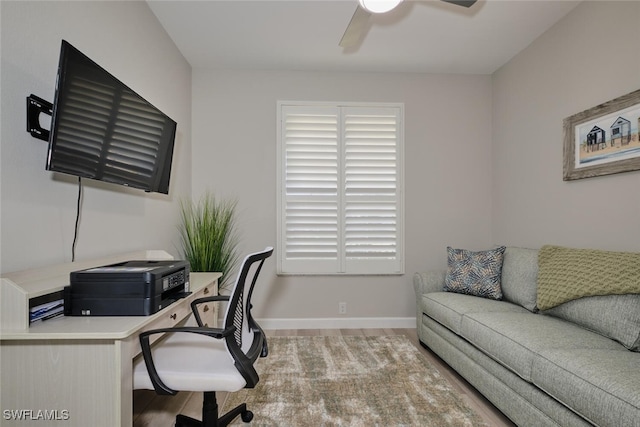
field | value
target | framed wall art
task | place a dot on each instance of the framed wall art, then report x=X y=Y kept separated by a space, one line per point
x=603 y=140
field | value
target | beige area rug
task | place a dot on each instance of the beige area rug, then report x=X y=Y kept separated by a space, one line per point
x=350 y=381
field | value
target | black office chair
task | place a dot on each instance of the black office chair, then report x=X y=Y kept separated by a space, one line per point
x=207 y=359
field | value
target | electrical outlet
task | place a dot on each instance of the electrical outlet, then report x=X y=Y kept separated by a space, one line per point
x=342 y=308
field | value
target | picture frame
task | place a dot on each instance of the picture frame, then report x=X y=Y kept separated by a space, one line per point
x=603 y=140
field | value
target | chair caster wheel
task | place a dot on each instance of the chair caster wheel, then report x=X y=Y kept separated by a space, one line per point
x=246 y=416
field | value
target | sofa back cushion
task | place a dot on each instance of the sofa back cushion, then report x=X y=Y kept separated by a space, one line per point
x=520 y=276
x=614 y=316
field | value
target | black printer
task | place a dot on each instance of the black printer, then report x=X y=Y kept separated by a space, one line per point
x=130 y=288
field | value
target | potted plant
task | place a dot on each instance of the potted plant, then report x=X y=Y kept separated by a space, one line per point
x=208 y=235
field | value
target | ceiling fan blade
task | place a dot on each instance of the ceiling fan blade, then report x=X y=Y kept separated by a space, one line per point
x=465 y=3
x=356 y=28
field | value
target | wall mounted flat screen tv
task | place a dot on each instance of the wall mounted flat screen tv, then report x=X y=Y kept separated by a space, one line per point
x=103 y=130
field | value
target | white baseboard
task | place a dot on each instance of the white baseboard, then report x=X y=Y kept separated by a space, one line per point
x=339 y=323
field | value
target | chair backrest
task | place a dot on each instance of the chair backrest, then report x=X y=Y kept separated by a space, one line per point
x=248 y=336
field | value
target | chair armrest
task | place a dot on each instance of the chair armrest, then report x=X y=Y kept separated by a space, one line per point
x=195 y=302
x=259 y=347
x=212 y=298
x=243 y=363
x=158 y=385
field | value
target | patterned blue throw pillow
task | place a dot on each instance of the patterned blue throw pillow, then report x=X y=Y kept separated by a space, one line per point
x=475 y=273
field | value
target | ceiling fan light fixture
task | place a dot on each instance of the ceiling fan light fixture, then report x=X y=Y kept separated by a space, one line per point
x=379 y=6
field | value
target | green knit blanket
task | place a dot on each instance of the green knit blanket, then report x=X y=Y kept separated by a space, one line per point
x=565 y=274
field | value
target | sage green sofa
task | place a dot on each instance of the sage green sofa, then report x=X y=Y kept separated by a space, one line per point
x=576 y=364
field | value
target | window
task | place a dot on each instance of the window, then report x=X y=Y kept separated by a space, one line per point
x=340 y=188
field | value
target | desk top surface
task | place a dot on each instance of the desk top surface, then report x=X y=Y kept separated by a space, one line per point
x=103 y=327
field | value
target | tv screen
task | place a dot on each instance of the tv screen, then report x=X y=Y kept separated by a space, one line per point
x=103 y=130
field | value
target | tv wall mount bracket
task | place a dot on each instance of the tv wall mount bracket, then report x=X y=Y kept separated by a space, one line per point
x=35 y=107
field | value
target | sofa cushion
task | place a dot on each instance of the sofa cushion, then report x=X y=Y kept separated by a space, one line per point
x=614 y=316
x=475 y=273
x=565 y=274
x=515 y=339
x=447 y=308
x=599 y=384
x=520 y=277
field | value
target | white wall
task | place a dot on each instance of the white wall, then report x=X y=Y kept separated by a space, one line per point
x=0 y=145
x=588 y=58
x=447 y=174
x=38 y=207
x=483 y=154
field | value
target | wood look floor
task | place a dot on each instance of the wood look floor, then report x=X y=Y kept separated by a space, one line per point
x=150 y=410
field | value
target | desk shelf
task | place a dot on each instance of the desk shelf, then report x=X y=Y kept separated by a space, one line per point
x=17 y=289
x=119 y=327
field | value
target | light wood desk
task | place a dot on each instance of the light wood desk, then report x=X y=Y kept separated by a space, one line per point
x=77 y=371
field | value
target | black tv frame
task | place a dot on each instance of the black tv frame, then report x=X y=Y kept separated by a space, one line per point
x=103 y=130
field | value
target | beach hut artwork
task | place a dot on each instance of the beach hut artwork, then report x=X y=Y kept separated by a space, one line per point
x=620 y=132
x=595 y=139
x=604 y=139
x=619 y=140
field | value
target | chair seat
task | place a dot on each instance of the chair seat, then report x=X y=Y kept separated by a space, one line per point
x=191 y=362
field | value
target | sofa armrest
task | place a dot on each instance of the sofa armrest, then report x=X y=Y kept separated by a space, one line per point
x=428 y=281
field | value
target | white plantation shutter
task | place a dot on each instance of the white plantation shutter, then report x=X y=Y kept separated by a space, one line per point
x=310 y=211
x=371 y=189
x=340 y=198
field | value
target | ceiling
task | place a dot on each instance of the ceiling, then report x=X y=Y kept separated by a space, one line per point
x=420 y=36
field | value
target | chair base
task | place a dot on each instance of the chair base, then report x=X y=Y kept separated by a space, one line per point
x=210 y=414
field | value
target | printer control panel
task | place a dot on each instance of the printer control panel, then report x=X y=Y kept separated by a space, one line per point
x=177 y=278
